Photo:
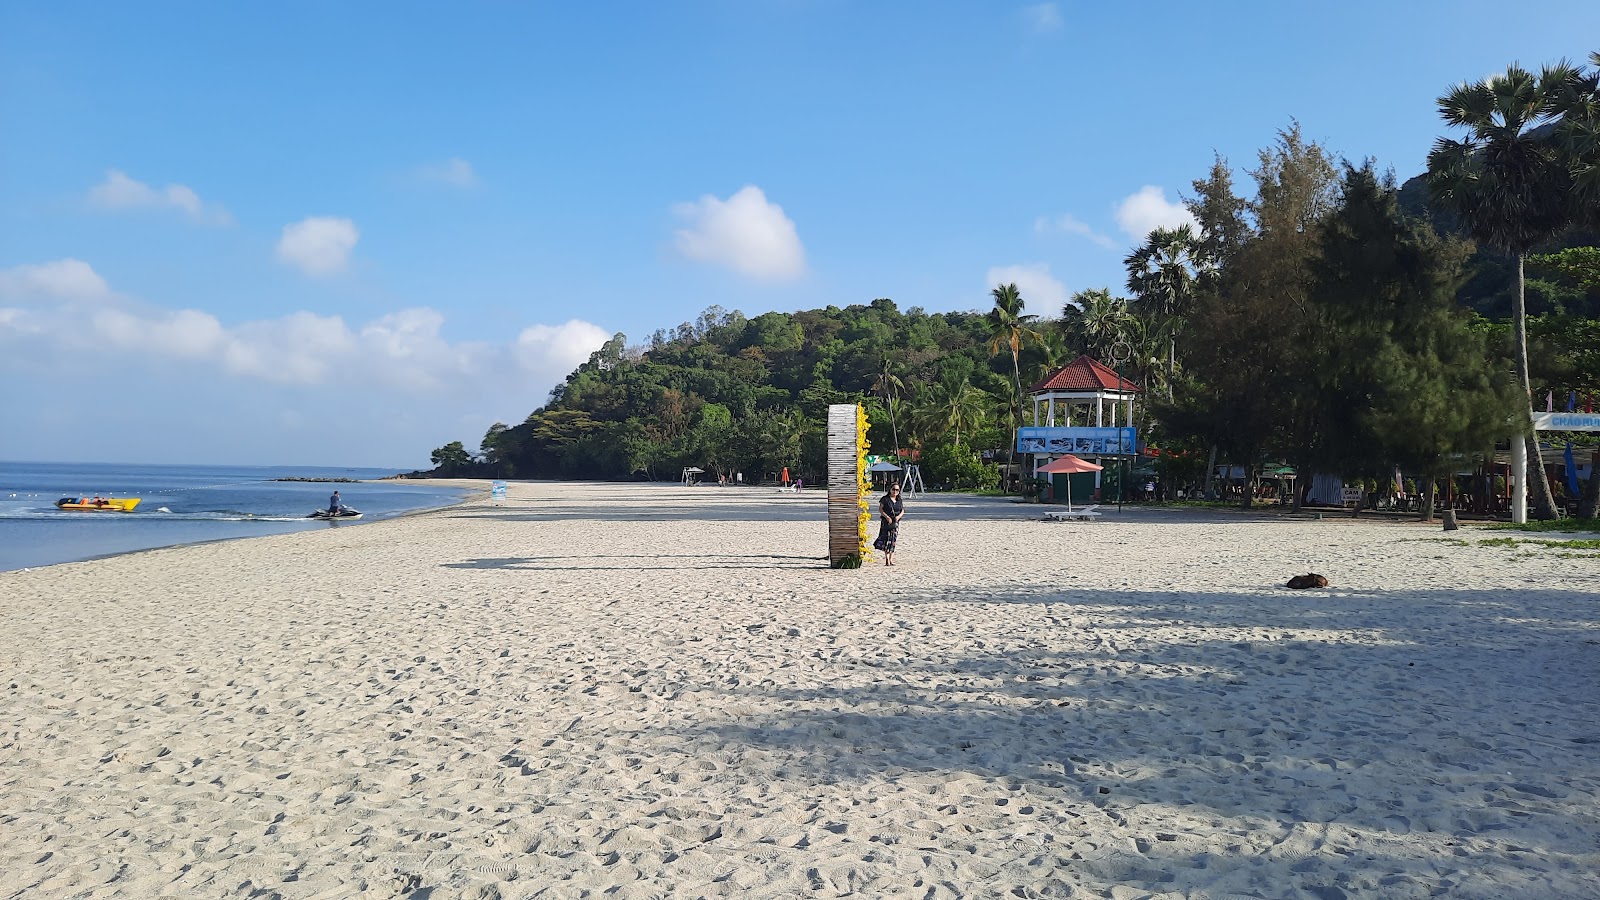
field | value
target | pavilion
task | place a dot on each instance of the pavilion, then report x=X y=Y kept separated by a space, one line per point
x=1083 y=385
x=1084 y=408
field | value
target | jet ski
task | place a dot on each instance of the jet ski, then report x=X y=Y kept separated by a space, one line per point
x=344 y=512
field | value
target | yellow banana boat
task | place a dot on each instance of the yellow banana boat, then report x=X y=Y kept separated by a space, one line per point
x=98 y=504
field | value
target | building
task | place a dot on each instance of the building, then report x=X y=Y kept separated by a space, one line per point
x=1084 y=408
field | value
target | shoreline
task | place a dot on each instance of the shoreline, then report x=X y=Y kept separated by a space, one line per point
x=472 y=495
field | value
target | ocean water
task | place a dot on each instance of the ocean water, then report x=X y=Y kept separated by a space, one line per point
x=181 y=505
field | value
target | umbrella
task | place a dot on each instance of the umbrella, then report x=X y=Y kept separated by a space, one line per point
x=883 y=467
x=1068 y=465
x=695 y=469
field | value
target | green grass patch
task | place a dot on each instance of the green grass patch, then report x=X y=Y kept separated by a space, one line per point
x=1551 y=525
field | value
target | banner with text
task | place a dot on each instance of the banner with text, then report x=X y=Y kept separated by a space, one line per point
x=1566 y=421
x=1077 y=441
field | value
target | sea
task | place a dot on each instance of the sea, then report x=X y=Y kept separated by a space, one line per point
x=182 y=505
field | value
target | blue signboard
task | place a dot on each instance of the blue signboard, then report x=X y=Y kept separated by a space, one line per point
x=1078 y=441
x=1566 y=421
x=497 y=491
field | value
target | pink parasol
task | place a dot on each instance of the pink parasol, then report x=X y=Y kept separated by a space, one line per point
x=1068 y=465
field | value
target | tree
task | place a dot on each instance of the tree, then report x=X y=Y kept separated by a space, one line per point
x=1248 y=364
x=451 y=458
x=1405 y=380
x=1581 y=264
x=1103 y=320
x=490 y=447
x=889 y=385
x=1578 y=135
x=1010 y=329
x=1161 y=274
x=1512 y=189
x=951 y=405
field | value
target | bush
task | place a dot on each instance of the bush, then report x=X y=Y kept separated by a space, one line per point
x=960 y=468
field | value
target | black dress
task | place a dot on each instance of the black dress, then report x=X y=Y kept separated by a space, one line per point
x=889 y=531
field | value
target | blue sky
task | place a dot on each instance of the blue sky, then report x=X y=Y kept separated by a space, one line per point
x=343 y=234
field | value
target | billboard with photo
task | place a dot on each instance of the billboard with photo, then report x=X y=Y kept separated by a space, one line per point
x=1077 y=441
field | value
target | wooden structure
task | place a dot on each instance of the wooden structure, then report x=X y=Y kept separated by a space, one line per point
x=848 y=486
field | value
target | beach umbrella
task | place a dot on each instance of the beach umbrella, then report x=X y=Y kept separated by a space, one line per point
x=883 y=467
x=1068 y=465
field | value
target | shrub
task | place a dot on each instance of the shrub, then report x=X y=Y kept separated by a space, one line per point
x=960 y=468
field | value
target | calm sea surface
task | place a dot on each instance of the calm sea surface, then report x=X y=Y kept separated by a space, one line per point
x=181 y=505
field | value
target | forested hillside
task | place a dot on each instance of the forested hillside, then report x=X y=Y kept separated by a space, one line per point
x=729 y=393
x=1326 y=317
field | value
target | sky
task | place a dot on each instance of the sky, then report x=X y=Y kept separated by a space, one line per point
x=345 y=234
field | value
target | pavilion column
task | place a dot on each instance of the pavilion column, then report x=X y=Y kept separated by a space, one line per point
x=1099 y=413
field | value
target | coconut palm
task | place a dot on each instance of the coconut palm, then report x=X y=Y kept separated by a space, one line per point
x=1009 y=329
x=1512 y=189
x=950 y=405
x=1103 y=319
x=1161 y=273
x=889 y=385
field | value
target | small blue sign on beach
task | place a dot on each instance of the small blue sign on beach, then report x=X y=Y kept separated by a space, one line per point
x=1119 y=441
x=497 y=491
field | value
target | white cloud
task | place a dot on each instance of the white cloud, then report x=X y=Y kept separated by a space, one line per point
x=184 y=333
x=318 y=245
x=455 y=172
x=1066 y=223
x=1040 y=290
x=1043 y=18
x=120 y=192
x=558 y=348
x=744 y=233
x=67 y=307
x=1148 y=209
x=62 y=279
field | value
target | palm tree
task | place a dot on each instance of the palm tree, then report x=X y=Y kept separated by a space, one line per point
x=1103 y=319
x=890 y=385
x=1579 y=133
x=951 y=404
x=1010 y=329
x=1146 y=340
x=1161 y=273
x=1511 y=188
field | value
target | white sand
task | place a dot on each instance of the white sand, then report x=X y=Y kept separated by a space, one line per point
x=640 y=691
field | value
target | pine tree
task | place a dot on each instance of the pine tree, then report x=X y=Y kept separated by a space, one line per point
x=1404 y=380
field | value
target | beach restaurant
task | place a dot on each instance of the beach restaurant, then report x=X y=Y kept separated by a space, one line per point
x=1084 y=408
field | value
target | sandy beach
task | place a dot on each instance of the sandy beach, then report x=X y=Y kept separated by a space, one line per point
x=647 y=691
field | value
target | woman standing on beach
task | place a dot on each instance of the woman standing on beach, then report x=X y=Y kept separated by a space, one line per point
x=891 y=509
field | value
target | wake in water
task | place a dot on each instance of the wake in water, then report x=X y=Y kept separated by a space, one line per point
x=19 y=511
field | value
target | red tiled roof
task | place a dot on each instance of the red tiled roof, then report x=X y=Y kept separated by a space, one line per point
x=1083 y=374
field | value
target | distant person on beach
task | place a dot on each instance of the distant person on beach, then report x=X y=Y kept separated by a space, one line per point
x=335 y=504
x=891 y=509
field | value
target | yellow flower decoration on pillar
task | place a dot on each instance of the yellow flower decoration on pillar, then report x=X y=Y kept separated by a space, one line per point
x=864 y=483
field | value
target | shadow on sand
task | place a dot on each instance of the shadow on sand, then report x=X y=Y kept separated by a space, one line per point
x=1450 y=747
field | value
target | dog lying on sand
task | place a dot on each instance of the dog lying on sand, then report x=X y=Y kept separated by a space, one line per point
x=1308 y=580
